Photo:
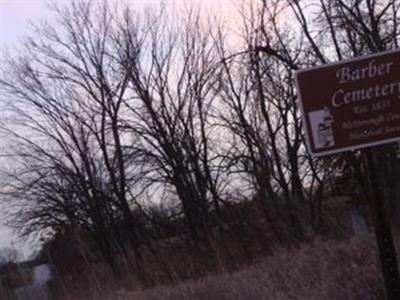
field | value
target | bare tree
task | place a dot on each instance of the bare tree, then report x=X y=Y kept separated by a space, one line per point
x=67 y=90
x=172 y=105
x=113 y=111
x=279 y=38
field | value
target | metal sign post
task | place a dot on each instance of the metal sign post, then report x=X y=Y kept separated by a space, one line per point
x=351 y=105
x=387 y=251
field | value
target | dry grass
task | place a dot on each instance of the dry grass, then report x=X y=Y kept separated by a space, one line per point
x=321 y=269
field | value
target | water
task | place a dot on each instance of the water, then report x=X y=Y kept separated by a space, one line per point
x=41 y=274
x=359 y=223
x=39 y=290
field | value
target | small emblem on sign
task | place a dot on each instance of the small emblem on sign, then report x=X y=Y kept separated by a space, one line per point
x=321 y=126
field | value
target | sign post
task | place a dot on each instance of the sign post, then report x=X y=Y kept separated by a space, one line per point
x=383 y=233
x=351 y=105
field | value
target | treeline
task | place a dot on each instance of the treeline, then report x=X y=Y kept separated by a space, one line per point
x=115 y=120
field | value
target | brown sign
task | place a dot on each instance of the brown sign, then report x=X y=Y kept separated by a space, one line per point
x=351 y=104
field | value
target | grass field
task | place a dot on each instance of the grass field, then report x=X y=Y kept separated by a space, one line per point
x=319 y=269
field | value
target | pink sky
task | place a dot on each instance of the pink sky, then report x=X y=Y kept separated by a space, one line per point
x=16 y=14
x=14 y=18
